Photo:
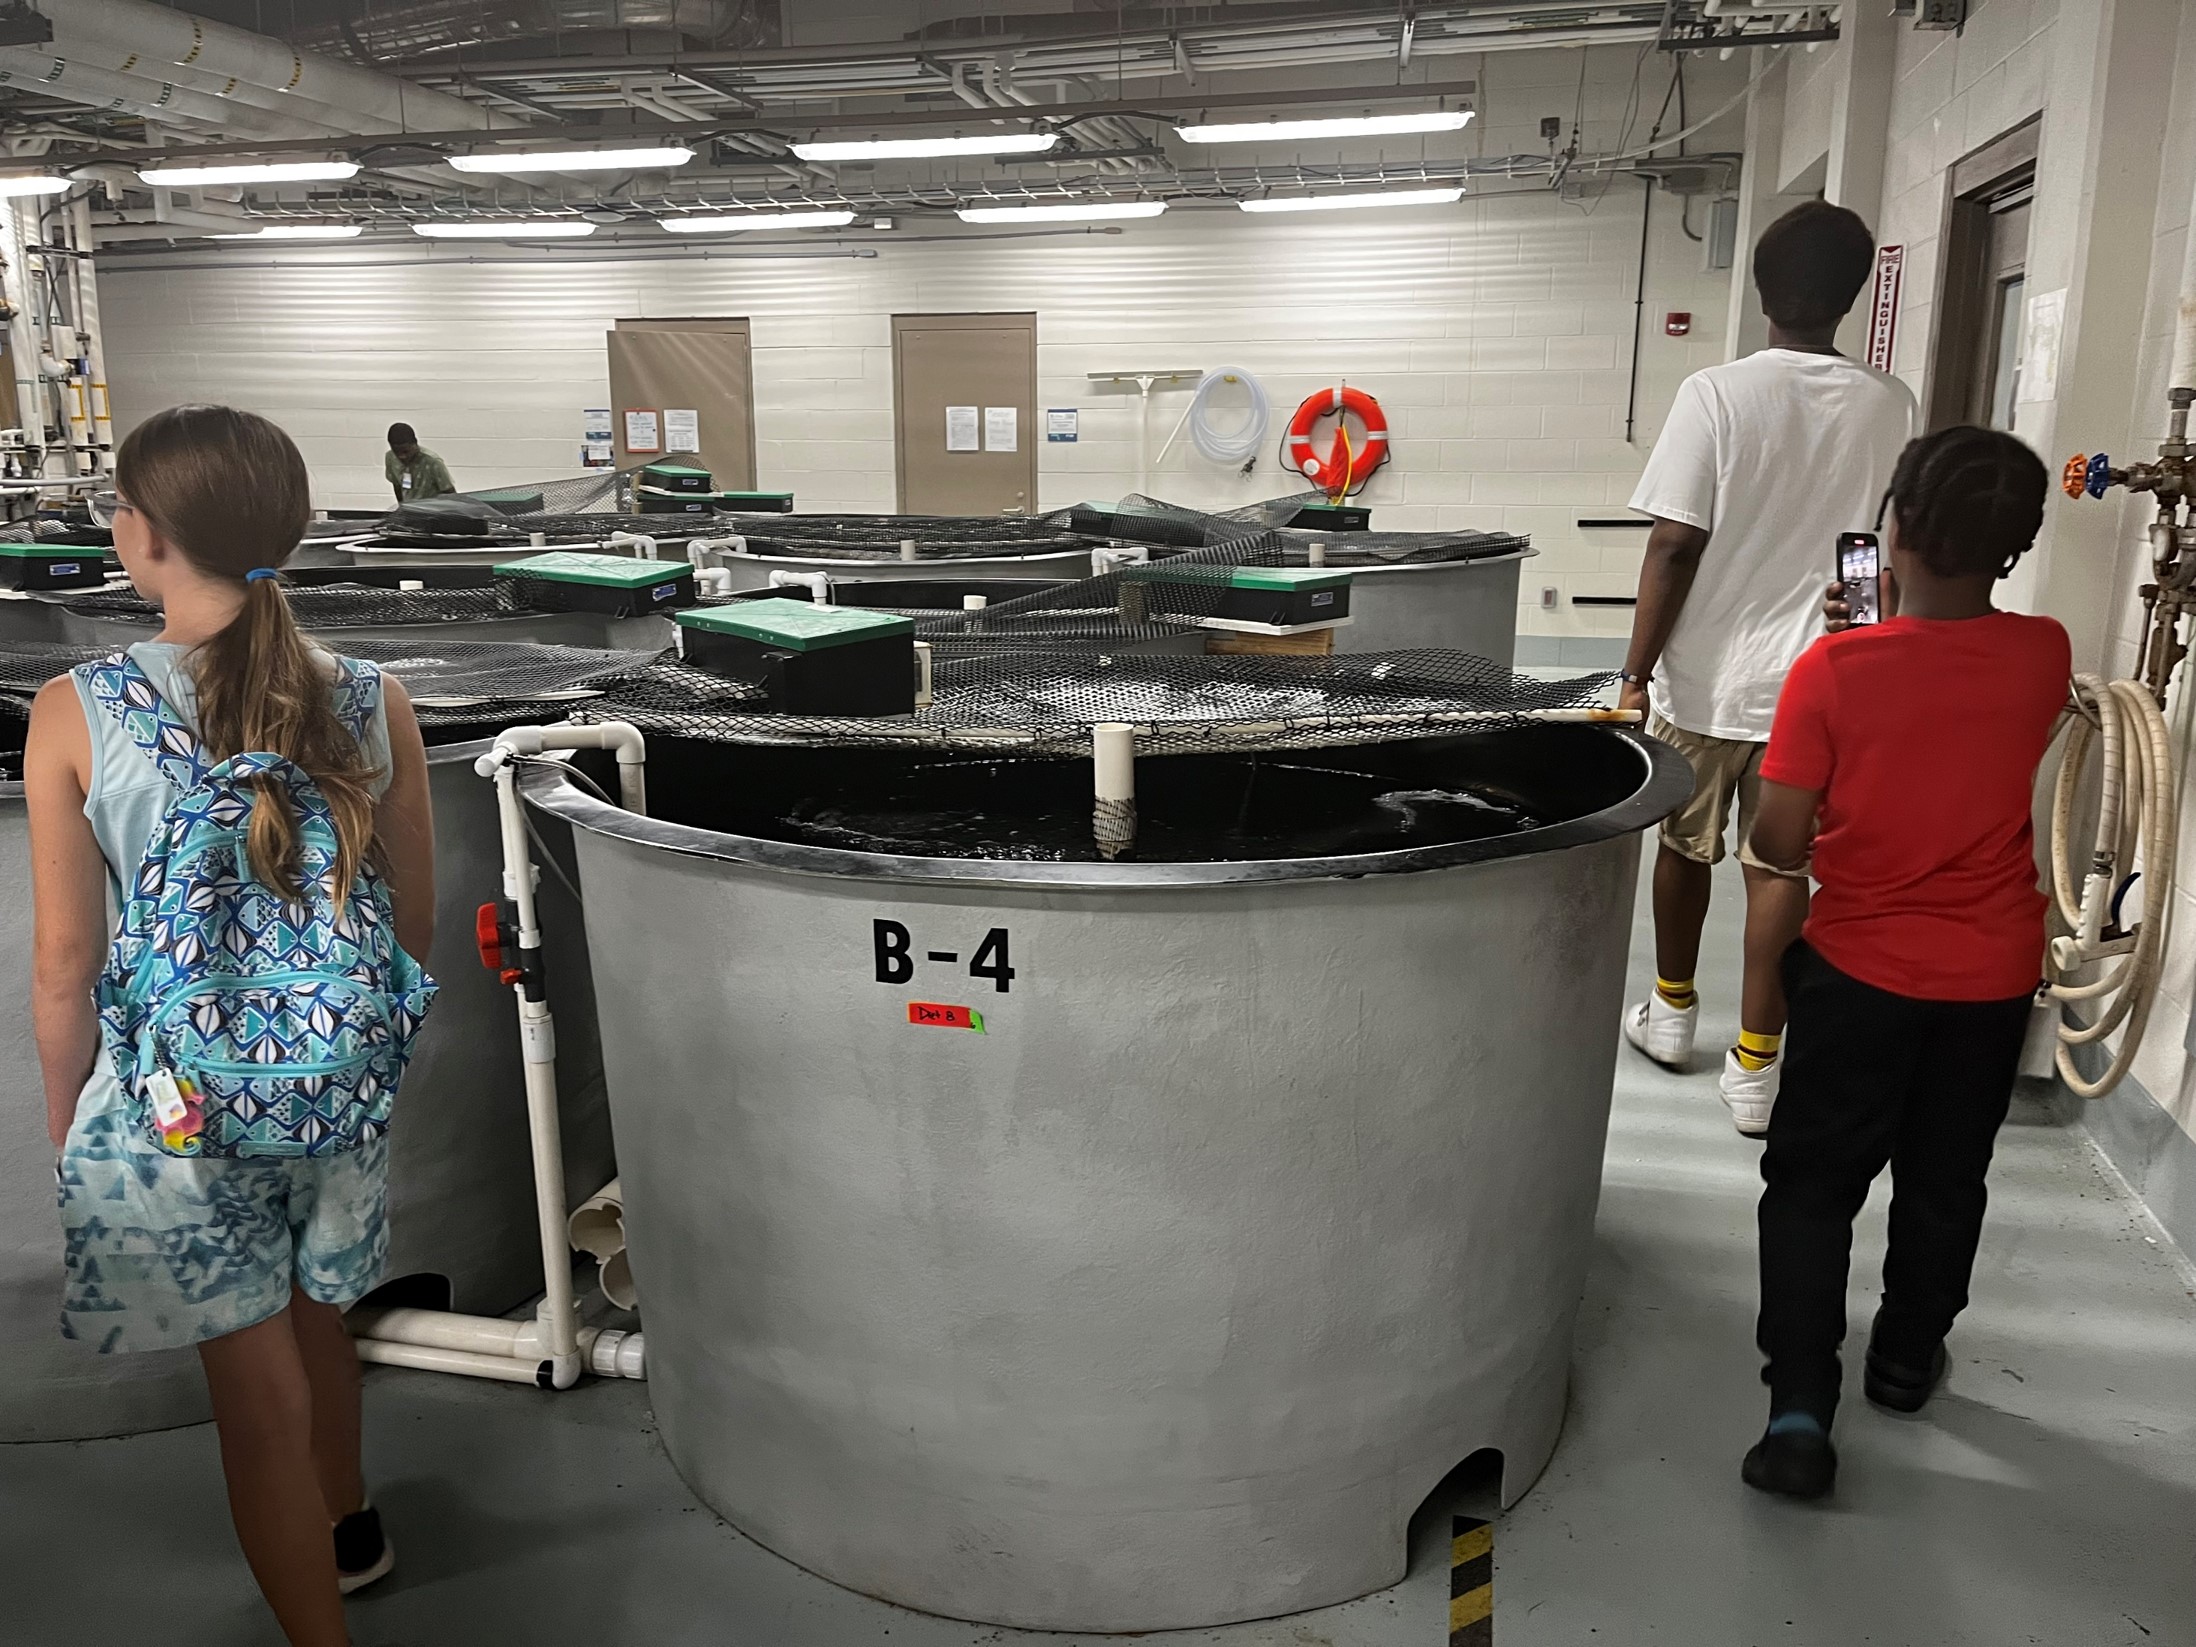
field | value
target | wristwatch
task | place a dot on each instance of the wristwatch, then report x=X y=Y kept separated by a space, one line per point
x=1630 y=679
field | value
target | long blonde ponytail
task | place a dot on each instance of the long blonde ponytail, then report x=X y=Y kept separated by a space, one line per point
x=229 y=490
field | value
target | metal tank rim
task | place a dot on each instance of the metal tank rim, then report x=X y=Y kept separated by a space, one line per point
x=1383 y=568
x=1666 y=781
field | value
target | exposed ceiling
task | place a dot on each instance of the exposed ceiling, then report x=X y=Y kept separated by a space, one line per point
x=399 y=85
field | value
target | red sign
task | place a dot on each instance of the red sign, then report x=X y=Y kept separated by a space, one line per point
x=945 y=1017
x=1883 y=312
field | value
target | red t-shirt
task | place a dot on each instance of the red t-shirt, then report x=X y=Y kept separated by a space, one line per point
x=1923 y=735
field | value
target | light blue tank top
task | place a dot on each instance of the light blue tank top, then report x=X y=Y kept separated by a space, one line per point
x=128 y=796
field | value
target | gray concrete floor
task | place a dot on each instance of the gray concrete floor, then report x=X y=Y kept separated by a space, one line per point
x=2047 y=1496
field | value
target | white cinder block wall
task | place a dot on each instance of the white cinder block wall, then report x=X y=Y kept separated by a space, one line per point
x=1498 y=336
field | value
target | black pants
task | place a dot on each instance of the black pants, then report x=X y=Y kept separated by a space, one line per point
x=1872 y=1078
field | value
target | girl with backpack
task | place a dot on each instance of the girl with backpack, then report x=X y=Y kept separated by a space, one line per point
x=218 y=1070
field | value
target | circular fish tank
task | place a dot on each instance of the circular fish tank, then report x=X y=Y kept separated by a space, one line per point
x=1111 y=1246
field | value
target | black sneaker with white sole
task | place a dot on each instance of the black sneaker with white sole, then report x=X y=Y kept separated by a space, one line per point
x=363 y=1552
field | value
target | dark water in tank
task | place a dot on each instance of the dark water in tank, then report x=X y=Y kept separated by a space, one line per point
x=1264 y=808
x=1190 y=808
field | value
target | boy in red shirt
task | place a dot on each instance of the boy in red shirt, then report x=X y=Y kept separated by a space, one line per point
x=1903 y=756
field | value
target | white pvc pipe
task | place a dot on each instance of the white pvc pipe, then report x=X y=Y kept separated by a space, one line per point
x=640 y=541
x=715 y=580
x=974 y=603
x=907 y=549
x=467 y=1362
x=1113 y=761
x=1315 y=554
x=818 y=584
x=30 y=387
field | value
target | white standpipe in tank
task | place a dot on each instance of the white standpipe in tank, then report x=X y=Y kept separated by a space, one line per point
x=1113 y=760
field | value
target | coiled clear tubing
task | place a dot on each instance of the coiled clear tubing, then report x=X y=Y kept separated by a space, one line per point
x=1235 y=443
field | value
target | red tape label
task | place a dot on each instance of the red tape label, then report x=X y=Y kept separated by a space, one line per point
x=945 y=1017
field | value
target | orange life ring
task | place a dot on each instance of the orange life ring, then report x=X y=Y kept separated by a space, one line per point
x=1345 y=468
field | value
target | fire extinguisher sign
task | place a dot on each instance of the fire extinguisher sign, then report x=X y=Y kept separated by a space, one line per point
x=1883 y=314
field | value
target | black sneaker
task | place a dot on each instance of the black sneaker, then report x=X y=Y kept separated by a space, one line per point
x=363 y=1553
x=1794 y=1458
x=1902 y=1388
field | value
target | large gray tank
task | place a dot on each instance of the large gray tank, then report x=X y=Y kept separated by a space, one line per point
x=1450 y=605
x=751 y=569
x=461 y=1187
x=53 y=1388
x=1263 y=1198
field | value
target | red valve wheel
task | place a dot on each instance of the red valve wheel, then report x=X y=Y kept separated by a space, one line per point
x=2074 y=478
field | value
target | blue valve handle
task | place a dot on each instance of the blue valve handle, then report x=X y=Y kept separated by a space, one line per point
x=2097 y=476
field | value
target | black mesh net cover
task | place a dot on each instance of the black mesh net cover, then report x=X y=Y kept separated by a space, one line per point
x=1157 y=524
x=901 y=537
x=1038 y=673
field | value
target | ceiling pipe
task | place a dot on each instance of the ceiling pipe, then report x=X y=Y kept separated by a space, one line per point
x=322 y=86
x=34 y=69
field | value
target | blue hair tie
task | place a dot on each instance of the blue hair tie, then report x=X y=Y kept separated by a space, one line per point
x=260 y=574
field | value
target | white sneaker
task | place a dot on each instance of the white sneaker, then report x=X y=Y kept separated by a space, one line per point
x=1751 y=1093
x=1663 y=1032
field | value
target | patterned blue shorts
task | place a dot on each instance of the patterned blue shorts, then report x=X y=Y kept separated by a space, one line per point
x=165 y=1251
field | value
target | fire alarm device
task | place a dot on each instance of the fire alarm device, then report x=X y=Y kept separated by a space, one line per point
x=1677 y=323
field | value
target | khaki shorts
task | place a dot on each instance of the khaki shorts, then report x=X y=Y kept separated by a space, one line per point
x=1724 y=770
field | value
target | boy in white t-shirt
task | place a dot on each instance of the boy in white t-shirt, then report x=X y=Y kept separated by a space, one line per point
x=1762 y=463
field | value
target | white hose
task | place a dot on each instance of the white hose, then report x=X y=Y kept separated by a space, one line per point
x=2138 y=811
x=1238 y=445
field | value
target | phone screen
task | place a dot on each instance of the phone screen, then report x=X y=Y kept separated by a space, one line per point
x=1860 y=569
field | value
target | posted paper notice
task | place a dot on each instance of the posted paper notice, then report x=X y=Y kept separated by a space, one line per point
x=961 y=429
x=681 y=429
x=1002 y=429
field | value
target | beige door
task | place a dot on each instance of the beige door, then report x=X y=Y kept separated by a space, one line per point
x=698 y=366
x=962 y=382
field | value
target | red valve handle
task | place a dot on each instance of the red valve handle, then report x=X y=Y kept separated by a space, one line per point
x=2074 y=478
x=488 y=934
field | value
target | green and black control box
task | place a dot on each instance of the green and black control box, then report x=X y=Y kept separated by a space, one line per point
x=756 y=503
x=569 y=581
x=1334 y=517
x=674 y=489
x=1281 y=597
x=808 y=659
x=51 y=566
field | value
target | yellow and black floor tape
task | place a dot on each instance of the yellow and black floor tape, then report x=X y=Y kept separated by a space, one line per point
x=1471 y=1583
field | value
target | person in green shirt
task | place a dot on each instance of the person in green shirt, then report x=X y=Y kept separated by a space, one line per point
x=413 y=471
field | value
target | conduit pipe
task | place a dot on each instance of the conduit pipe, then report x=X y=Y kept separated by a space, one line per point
x=95 y=346
x=553 y=1350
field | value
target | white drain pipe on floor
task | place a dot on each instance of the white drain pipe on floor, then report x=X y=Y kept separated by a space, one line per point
x=551 y=1351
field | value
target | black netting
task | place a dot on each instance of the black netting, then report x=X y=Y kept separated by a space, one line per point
x=459 y=689
x=901 y=537
x=1157 y=524
x=62 y=534
x=598 y=492
x=343 y=605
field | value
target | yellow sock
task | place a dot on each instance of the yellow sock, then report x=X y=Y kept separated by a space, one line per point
x=1677 y=993
x=1758 y=1052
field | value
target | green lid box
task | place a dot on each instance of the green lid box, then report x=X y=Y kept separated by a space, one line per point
x=51 y=566
x=808 y=659
x=571 y=581
x=1284 y=597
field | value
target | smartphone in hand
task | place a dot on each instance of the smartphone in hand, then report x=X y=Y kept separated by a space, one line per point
x=1860 y=569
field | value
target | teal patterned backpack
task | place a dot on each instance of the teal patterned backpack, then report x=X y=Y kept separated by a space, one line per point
x=241 y=1024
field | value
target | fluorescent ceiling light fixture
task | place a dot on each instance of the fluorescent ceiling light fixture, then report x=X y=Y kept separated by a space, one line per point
x=573 y=160
x=929 y=148
x=299 y=231
x=1355 y=202
x=1366 y=125
x=32 y=185
x=284 y=171
x=1080 y=212
x=505 y=229
x=733 y=222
